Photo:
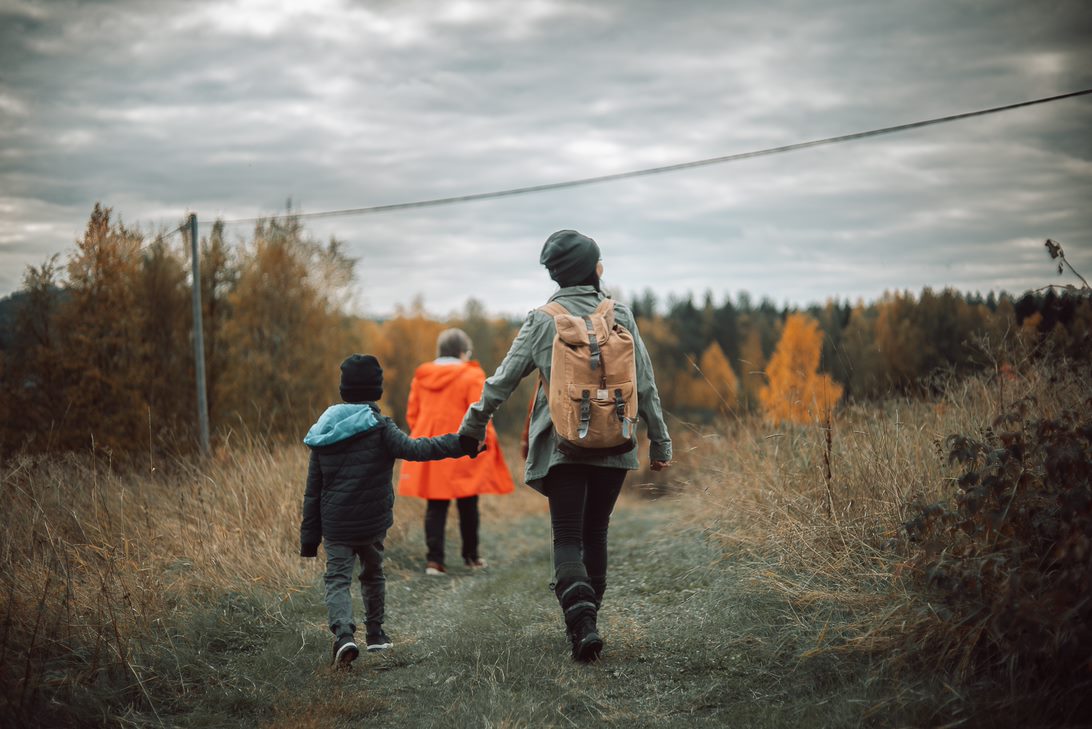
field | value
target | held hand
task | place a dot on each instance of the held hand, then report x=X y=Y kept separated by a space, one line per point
x=471 y=446
x=660 y=465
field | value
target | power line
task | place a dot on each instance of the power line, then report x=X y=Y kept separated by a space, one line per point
x=164 y=236
x=510 y=192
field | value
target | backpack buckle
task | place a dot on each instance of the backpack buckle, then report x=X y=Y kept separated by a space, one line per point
x=620 y=411
x=585 y=414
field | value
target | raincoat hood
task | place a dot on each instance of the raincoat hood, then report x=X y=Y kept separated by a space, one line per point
x=340 y=422
x=440 y=375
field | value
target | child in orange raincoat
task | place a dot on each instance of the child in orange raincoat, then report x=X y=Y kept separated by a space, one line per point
x=440 y=394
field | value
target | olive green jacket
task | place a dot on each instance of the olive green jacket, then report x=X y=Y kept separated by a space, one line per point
x=532 y=349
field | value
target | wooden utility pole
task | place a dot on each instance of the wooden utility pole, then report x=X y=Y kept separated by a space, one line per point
x=199 y=340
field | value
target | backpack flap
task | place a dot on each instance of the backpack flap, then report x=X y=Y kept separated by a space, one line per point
x=573 y=330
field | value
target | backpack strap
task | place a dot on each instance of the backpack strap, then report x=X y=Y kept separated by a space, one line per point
x=525 y=437
x=593 y=343
x=553 y=309
x=606 y=309
x=585 y=414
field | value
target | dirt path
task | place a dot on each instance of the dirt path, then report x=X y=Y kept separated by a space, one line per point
x=688 y=643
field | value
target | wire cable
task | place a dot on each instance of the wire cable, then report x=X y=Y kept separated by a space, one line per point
x=510 y=192
x=164 y=236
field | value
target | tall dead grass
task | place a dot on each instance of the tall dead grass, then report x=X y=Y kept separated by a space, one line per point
x=100 y=569
x=819 y=513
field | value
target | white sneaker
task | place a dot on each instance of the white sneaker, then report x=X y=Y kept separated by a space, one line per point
x=435 y=569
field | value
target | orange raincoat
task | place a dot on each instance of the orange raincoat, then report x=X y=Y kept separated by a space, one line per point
x=439 y=397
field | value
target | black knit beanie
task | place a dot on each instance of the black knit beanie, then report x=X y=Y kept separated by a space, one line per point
x=570 y=257
x=361 y=379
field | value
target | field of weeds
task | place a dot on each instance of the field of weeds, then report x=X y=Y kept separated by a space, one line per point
x=946 y=542
x=854 y=573
x=105 y=573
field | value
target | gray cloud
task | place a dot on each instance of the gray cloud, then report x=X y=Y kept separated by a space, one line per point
x=229 y=109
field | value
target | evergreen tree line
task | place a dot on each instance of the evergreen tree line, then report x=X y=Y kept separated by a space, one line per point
x=98 y=353
x=726 y=356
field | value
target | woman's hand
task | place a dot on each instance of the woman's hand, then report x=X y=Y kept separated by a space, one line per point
x=660 y=465
x=471 y=446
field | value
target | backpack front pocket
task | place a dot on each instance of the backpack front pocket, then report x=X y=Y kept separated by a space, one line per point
x=600 y=417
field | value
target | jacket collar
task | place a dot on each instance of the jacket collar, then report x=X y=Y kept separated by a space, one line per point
x=577 y=291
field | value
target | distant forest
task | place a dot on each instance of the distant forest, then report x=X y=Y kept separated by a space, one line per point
x=97 y=353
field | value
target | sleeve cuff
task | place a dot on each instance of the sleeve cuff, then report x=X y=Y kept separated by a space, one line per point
x=308 y=550
x=468 y=429
x=660 y=452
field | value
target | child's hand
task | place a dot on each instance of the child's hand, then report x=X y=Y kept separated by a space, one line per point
x=471 y=446
x=660 y=465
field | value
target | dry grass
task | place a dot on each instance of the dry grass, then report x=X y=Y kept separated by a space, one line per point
x=132 y=598
x=100 y=568
x=817 y=513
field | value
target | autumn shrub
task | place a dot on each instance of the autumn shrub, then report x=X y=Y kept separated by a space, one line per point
x=1008 y=552
x=996 y=576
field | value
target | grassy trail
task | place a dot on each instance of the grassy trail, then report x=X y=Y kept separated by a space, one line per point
x=688 y=643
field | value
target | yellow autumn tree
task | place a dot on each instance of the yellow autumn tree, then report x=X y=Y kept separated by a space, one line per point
x=796 y=391
x=712 y=386
x=99 y=398
x=286 y=334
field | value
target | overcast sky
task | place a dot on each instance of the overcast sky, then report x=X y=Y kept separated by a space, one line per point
x=229 y=109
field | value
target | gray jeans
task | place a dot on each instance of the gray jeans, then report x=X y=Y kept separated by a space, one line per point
x=340 y=560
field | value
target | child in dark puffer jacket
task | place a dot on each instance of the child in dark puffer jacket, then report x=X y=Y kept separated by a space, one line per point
x=348 y=504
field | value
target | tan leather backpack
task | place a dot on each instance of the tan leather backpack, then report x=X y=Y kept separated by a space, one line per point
x=593 y=382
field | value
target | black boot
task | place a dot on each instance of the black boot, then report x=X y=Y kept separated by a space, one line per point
x=599 y=586
x=577 y=600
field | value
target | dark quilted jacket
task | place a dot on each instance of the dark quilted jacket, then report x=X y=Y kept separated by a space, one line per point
x=349 y=497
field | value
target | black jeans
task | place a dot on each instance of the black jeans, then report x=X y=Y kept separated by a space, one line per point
x=436 y=519
x=581 y=501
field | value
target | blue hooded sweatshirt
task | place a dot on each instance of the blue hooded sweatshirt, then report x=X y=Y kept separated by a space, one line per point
x=339 y=422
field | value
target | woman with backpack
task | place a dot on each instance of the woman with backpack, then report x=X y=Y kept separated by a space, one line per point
x=581 y=432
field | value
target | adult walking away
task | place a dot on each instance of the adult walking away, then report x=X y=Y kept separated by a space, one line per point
x=582 y=485
x=439 y=395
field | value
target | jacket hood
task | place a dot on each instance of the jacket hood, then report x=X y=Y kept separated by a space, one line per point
x=340 y=422
x=439 y=375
